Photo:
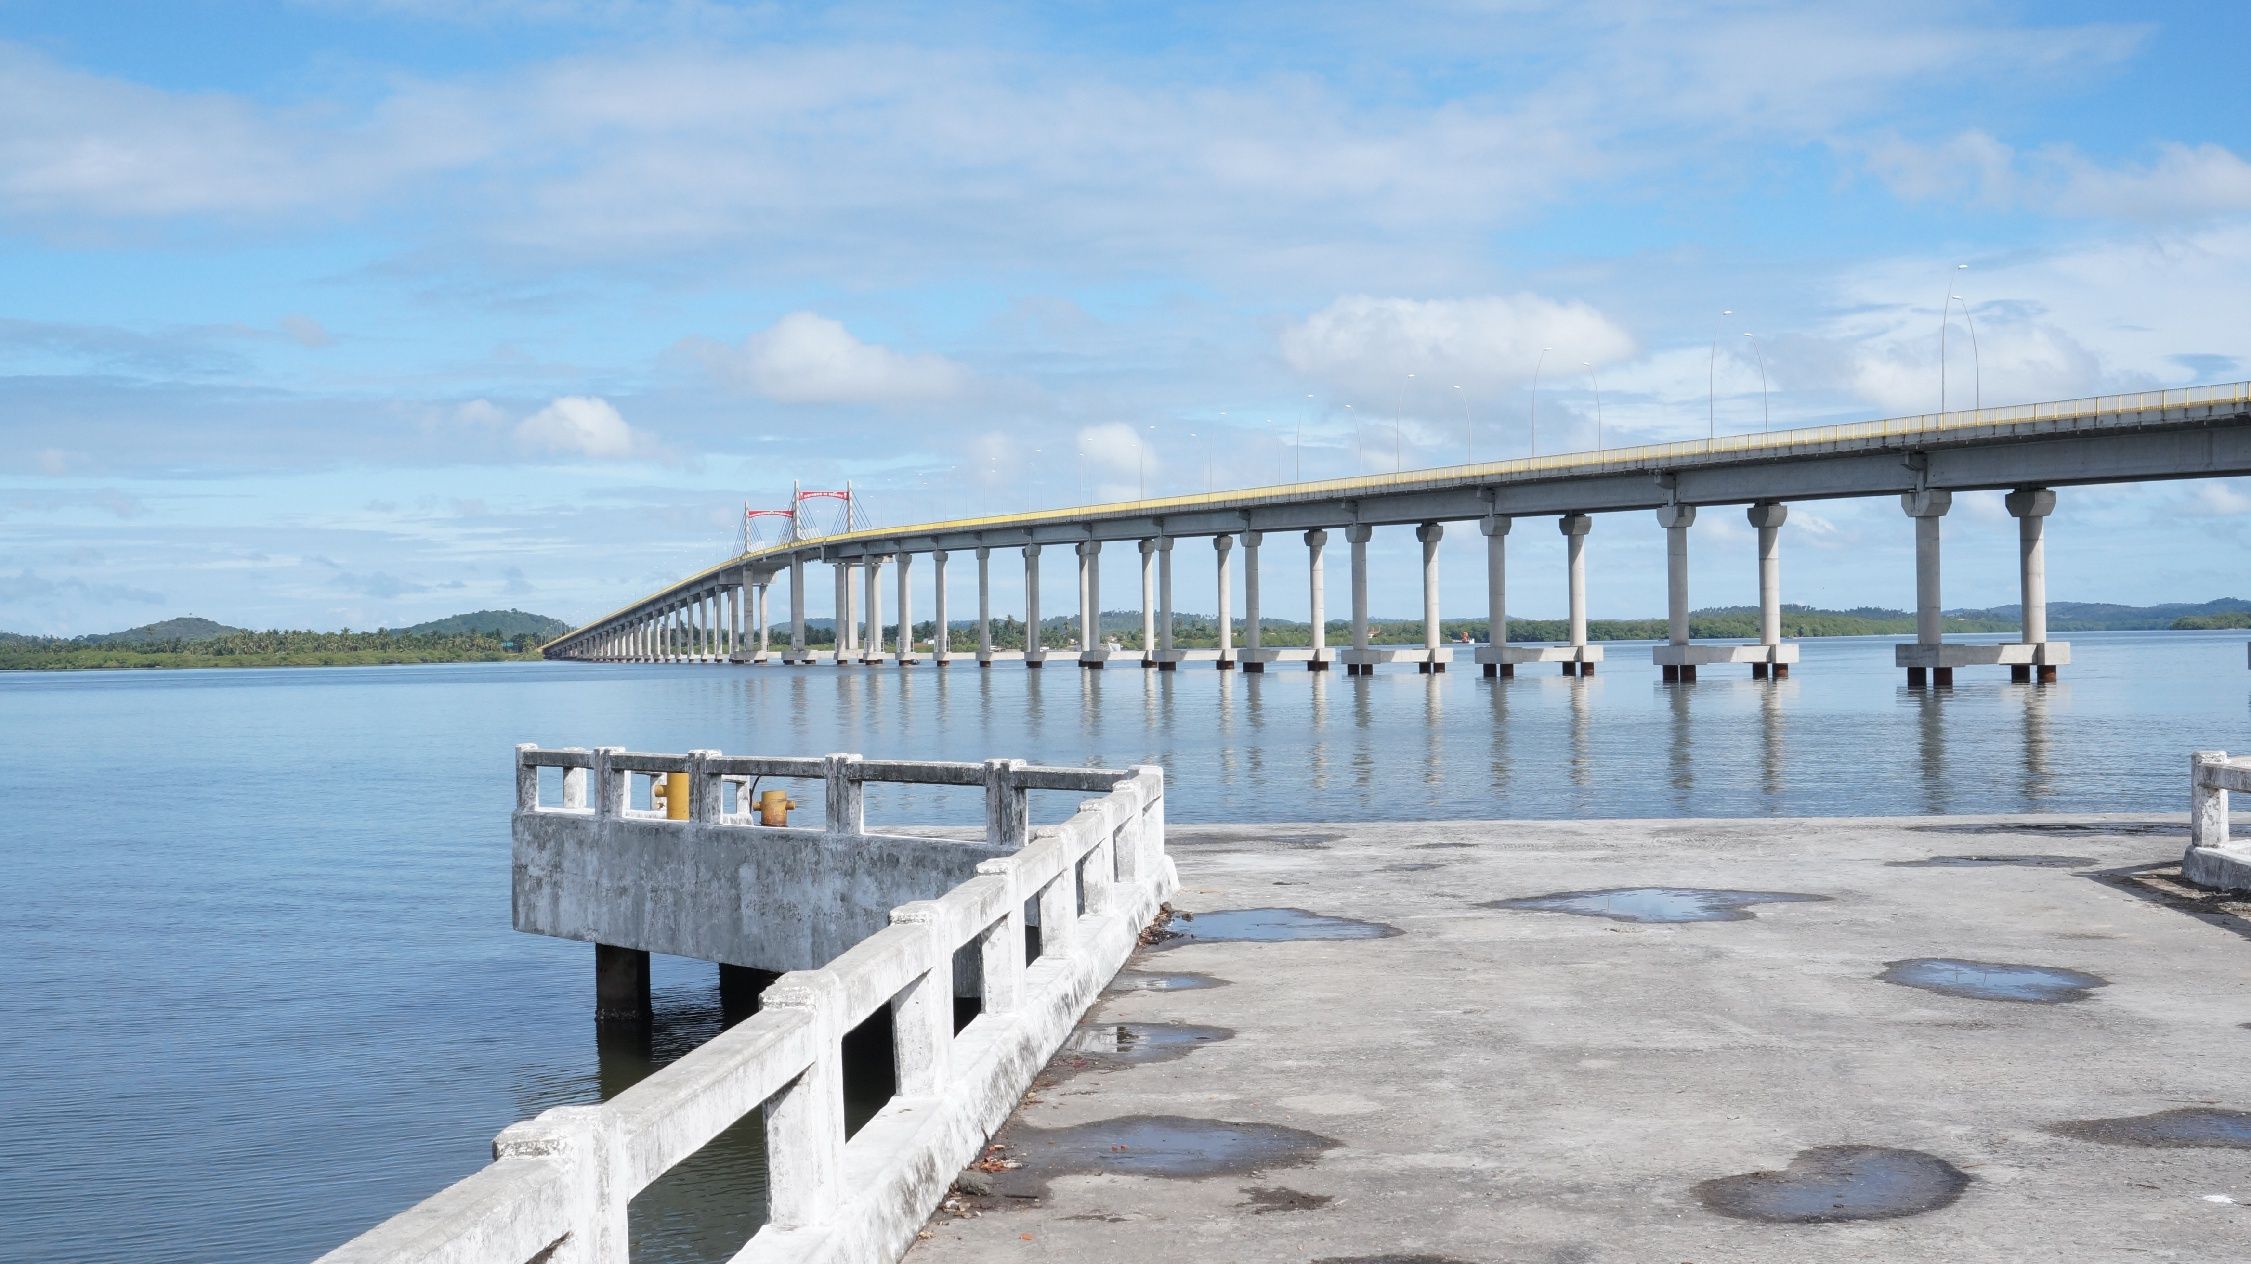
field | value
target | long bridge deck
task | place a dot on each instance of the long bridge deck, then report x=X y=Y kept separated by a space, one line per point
x=1926 y=1039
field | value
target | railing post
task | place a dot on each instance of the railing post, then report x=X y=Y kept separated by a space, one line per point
x=705 y=795
x=1098 y=872
x=610 y=785
x=847 y=798
x=805 y=1121
x=1125 y=834
x=577 y=1137
x=922 y=1016
x=1059 y=904
x=2208 y=803
x=527 y=779
x=1007 y=822
x=1000 y=946
x=575 y=783
x=1151 y=843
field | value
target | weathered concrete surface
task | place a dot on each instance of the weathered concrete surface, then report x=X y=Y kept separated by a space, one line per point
x=1512 y=1084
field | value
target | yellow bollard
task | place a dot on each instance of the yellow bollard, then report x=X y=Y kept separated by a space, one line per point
x=670 y=792
x=774 y=807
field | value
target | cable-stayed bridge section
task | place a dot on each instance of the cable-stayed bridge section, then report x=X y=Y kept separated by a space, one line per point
x=2028 y=451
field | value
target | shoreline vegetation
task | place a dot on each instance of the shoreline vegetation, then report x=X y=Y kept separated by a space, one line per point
x=513 y=636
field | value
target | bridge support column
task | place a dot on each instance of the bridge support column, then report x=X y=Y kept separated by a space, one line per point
x=1430 y=533
x=1494 y=656
x=1928 y=656
x=1165 y=660
x=1676 y=519
x=1357 y=536
x=1035 y=654
x=1253 y=659
x=1090 y=603
x=759 y=619
x=797 y=609
x=1767 y=517
x=1574 y=528
x=941 y=631
x=735 y=620
x=984 y=607
x=1316 y=584
x=906 y=609
x=621 y=985
x=843 y=619
x=1148 y=603
x=2030 y=506
x=873 y=574
x=1223 y=546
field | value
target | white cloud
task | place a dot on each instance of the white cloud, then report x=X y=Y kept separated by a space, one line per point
x=1367 y=346
x=579 y=425
x=806 y=358
x=2178 y=182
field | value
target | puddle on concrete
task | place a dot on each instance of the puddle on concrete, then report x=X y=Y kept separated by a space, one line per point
x=1144 y=981
x=1993 y=980
x=1268 y=925
x=2190 y=1126
x=1266 y=1199
x=1389 y=1259
x=1439 y=846
x=1287 y=840
x=2068 y=828
x=1980 y=862
x=1834 y=1183
x=1171 y=1146
x=1655 y=904
x=1419 y=866
x=1134 y=1044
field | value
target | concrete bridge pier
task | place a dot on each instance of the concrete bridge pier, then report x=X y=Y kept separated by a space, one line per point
x=1434 y=659
x=1767 y=518
x=621 y=985
x=1148 y=603
x=1493 y=655
x=797 y=652
x=1035 y=655
x=1316 y=577
x=906 y=655
x=2030 y=506
x=843 y=617
x=1167 y=660
x=941 y=630
x=1223 y=546
x=764 y=625
x=871 y=574
x=984 y=606
x=1582 y=657
x=1925 y=659
x=1357 y=665
x=1254 y=655
x=1091 y=653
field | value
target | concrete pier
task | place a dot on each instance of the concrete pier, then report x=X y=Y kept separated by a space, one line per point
x=1223 y=547
x=621 y=984
x=1931 y=1039
x=1091 y=653
x=1316 y=587
x=1035 y=654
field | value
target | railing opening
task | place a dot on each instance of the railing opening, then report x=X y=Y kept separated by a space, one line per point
x=871 y=1071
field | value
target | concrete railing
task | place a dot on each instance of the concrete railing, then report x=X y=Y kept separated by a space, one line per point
x=558 y=1186
x=2213 y=858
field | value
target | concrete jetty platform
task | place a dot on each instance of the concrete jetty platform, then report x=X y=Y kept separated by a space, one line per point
x=1906 y=1039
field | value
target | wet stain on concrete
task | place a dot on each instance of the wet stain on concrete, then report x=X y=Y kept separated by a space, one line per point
x=1169 y=1146
x=2194 y=1126
x=1389 y=1259
x=1268 y=925
x=1993 y=980
x=2066 y=828
x=1144 y=981
x=1829 y=1184
x=1655 y=904
x=1302 y=840
x=1097 y=1045
x=1265 y=1199
x=1439 y=846
x=1420 y=866
x=1981 y=862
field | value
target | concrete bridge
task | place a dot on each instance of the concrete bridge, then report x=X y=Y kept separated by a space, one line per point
x=2027 y=450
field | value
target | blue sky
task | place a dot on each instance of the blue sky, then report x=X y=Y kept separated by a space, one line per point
x=355 y=312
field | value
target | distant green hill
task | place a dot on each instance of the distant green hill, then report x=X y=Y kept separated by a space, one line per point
x=508 y=624
x=186 y=629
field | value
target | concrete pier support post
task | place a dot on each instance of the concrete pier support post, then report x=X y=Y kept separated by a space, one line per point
x=1164 y=604
x=1148 y=603
x=843 y=619
x=621 y=984
x=874 y=583
x=797 y=608
x=1223 y=546
x=1316 y=592
x=760 y=621
x=1926 y=508
x=906 y=609
x=1767 y=518
x=1251 y=613
x=984 y=607
x=2030 y=506
x=735 y=619
x=941 y=629
x=1034 y=653
x=1357 y=536
x=1574 y=528
x=1090 y=602
x=1430 y=533
x=1495 y=530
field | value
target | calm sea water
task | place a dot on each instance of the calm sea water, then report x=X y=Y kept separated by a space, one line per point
x=262 y=990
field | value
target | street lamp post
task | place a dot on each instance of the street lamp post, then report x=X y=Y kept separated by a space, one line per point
x=1711 y=380
x=1597 y=403
x=1946 y=311
x=1766 y=421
